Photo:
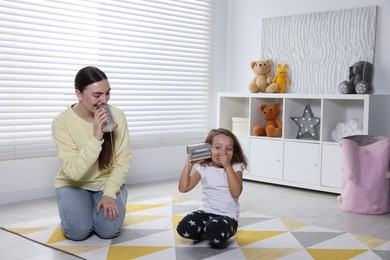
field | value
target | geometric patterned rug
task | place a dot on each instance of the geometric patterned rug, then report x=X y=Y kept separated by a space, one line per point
x=149 y=233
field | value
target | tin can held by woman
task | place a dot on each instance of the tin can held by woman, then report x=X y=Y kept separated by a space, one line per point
x=197 y=152
x=110 y=124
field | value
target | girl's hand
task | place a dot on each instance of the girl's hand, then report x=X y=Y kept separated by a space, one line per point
x=100 y=118
x=224 y=160
x=110 y=208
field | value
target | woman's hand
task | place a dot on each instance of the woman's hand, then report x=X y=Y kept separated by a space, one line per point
x=100 y=118
x=110 y=208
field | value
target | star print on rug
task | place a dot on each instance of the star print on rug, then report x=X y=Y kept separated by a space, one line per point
x=307 y=124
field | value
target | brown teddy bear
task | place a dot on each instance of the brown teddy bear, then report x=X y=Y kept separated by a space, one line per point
x=263 y=78
x=273 y=125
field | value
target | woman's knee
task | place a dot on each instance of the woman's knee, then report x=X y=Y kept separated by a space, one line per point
x=108 y=234
x=109 y=229
x=76 y=231
x=106 y=228
x=75 y=209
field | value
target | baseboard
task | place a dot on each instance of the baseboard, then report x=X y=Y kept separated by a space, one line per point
x=18 y=196
x=144 y=178
x=46 y=192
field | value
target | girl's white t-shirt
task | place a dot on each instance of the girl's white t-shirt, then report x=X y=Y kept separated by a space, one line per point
x=217 y=198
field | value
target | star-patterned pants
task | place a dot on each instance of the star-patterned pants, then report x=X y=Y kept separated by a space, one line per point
x=216 y=228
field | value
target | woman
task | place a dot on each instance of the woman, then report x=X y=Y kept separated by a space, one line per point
x=90 y=186
x=221 y=178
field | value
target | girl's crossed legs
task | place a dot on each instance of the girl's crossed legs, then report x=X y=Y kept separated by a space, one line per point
x=218 y=229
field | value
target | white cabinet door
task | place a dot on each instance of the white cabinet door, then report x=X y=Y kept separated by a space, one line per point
x=302 y=162
x=266 y=158
x=331 y=165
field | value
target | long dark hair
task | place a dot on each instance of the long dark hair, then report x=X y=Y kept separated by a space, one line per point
x=85 y=77
x=238 y=153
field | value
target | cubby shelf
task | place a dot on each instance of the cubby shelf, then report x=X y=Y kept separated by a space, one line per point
x=305 y=162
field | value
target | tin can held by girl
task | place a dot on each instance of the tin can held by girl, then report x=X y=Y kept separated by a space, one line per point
x=197 y=152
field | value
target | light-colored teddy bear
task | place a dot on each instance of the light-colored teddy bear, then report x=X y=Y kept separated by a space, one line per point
x=263 y=78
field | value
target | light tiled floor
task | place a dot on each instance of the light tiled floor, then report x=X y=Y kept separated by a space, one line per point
x=309 y=207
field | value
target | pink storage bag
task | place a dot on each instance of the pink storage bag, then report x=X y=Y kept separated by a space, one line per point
x=365 y=178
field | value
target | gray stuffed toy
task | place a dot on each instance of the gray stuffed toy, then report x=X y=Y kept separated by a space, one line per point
x=360 y=77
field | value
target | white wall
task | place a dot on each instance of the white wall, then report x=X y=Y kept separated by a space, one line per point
x=33 y=178
x=244 y=35
x=237 y=43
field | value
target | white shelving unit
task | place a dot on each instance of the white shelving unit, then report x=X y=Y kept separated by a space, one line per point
x=306 y=162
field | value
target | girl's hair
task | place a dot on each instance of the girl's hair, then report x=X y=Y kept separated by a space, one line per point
x=85 y=77
x=238 y=153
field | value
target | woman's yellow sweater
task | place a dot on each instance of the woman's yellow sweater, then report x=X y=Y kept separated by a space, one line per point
x=79 y=150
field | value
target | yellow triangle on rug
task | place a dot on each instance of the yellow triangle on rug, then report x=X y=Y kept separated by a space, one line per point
x=132 y=252
x=326 y=254
x=246 y=237
x=56 y=237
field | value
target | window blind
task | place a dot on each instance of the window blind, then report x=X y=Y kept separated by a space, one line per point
x=157 y=55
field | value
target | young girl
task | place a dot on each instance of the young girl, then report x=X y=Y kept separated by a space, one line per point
x=221 y=177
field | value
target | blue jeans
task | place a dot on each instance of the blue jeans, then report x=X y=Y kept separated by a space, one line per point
x=77 y=209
